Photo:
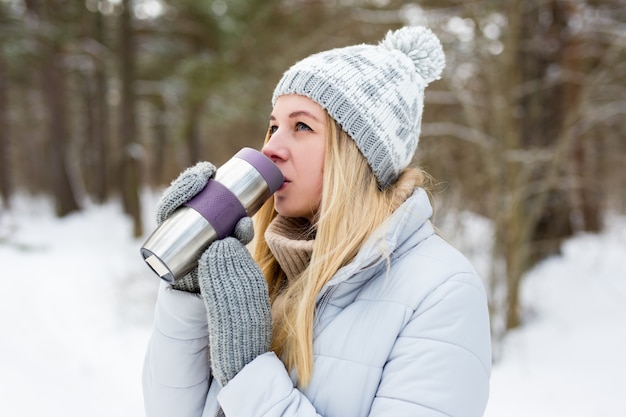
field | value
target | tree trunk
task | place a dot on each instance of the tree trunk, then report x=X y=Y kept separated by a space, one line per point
x=97 y=111
x=586 y=194
x=191 y=133
x=53 y=84
x=131 y=149
x=6 y=184
x=159 y=123
x=52 y=75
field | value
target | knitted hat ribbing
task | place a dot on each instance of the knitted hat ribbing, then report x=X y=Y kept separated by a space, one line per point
x=375 y=92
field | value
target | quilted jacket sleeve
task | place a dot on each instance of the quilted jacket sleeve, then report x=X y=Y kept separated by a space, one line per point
x=176 y=371
x=441 y=362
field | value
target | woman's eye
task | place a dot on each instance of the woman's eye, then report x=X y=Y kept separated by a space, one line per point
x=299 y=127
x=302 y=126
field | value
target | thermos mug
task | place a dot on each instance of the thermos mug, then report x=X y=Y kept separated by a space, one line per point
x=239 y=189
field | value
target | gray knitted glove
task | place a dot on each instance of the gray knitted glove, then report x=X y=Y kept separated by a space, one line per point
x=189 y=183
x=237 y=301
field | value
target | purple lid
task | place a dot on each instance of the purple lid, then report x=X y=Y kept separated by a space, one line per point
x=268 y=169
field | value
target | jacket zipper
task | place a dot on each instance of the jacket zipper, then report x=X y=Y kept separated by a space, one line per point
x=321 y=304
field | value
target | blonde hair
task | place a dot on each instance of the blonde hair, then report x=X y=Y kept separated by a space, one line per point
x=340 y=232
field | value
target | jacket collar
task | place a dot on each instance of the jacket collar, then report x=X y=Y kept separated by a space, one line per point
x=403 y=230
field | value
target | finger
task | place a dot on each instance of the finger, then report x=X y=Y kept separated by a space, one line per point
x=244 y=230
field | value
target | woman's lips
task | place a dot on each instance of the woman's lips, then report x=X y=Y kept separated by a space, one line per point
x=284 y=184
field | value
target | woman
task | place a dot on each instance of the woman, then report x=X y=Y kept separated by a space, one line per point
x=351 y=305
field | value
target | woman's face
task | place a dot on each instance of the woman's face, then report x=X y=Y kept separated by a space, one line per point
x=297 y=142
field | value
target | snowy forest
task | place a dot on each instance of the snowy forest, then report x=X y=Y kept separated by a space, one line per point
x=104 y=102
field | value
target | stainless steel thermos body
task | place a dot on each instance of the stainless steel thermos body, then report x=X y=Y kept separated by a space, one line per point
x=239 y=189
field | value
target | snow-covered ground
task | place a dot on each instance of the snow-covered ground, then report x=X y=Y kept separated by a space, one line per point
x=76 y=308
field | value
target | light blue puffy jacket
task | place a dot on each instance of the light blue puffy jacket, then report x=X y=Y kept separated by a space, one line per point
x=405 y=338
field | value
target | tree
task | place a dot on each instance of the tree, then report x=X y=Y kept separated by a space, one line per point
x=93 y=80
x=529 y=114
x=524 y=75
x=131 y=148
x=6 y=184
x=52 y=39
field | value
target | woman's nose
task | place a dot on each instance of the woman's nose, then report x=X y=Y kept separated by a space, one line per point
x=274 y=148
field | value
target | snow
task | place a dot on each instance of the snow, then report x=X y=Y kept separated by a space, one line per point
x=76 y=310
x=569 y=357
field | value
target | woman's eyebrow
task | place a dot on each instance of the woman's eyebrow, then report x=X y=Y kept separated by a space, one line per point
x=298 y=113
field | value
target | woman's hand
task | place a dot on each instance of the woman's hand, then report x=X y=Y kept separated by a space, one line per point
x=237 y=301
x=189 y=183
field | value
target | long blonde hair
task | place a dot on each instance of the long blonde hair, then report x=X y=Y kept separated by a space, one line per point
x=352 y=206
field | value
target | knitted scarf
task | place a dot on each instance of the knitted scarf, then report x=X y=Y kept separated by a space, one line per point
x=291 y=242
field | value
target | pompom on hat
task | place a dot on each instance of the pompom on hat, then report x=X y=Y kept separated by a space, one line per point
x=374 y=92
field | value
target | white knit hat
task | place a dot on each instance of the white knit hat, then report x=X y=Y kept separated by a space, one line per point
x=375 y=92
